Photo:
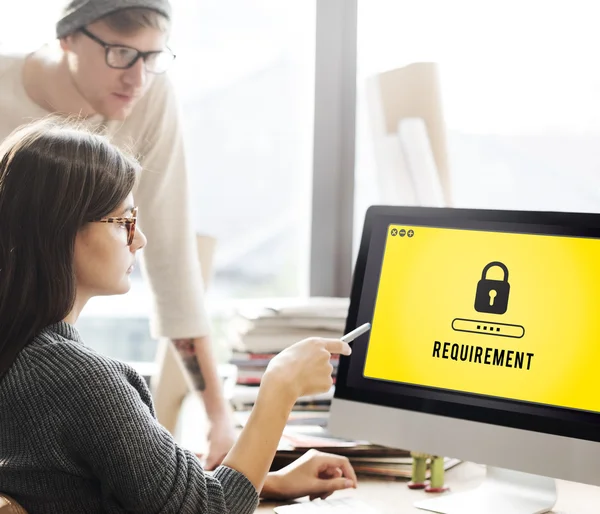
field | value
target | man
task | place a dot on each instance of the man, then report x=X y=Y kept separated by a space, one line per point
x=108 y=68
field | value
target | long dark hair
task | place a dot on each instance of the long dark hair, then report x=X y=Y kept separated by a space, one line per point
x=54 y=178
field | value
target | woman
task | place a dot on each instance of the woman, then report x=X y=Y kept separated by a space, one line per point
x=77 y=430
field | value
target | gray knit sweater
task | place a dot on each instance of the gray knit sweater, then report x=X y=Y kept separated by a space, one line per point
x=78 y=434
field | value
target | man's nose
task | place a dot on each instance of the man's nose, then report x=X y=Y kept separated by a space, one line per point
x=136 y=75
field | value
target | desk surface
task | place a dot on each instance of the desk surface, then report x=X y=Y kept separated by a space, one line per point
x=393 y=497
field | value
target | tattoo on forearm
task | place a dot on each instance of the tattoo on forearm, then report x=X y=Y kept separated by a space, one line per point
x=187 y=351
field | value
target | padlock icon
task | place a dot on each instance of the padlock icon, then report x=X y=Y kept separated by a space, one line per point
x=492 y=295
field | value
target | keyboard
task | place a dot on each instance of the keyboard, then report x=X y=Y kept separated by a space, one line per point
x=336 y=506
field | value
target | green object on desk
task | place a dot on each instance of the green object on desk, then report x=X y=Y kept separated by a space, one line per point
x=436 y=484
x=437 y=472
x=419 y=468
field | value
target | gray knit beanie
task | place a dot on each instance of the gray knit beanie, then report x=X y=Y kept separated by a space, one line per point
x=79 y=13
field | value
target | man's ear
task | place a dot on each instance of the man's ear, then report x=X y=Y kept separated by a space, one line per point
x=66 y=42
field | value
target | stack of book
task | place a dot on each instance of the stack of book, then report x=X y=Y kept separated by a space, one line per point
x=271 y=326
x=366 y=459
x=303 y=433
x=261 y=331
x=244 y=398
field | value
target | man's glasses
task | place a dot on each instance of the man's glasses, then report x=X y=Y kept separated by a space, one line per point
x=129 y=222
x=124 y=57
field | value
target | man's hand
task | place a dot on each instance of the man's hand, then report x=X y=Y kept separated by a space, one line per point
x=315 y=474
x=220 y=440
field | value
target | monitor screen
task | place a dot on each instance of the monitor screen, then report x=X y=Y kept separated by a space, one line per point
x=482 y=315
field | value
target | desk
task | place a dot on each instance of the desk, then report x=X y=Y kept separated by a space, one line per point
x=393 y=497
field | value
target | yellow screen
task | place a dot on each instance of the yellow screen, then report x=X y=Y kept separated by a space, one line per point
x=436 y=324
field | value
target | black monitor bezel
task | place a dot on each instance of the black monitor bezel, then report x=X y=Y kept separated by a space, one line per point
x=509 y=413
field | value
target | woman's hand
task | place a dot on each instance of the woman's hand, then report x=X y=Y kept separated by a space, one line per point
x=305 y=367
x=302 y=369
x=315 y=474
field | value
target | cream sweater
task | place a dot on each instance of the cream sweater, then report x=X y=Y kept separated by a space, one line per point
x=153 y=134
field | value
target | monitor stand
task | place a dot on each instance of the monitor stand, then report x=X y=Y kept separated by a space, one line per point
x=501 y=492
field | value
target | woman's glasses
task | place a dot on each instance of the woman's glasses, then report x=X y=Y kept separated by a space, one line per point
x=129 y=222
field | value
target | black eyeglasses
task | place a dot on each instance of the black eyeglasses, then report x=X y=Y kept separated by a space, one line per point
x=124 y=57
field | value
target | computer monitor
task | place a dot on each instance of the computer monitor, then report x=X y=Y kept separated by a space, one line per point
x=485 y=346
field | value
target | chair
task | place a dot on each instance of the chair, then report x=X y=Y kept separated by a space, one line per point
x=10 y=506
x=409 y=136
x=169 y=384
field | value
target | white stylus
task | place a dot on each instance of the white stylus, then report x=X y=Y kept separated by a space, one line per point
x=351 y=336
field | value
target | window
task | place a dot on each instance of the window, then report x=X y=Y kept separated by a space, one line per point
x=22 y=32
x=520 y=95
x=245 y=77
